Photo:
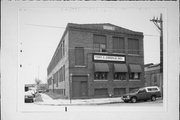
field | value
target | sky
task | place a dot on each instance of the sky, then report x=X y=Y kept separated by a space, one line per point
x=41 y=30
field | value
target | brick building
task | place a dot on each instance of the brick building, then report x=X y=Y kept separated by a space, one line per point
x=97 y=60
x=153 y=75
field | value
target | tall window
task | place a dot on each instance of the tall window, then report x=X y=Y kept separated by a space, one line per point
x=118 y=45
x=64 y=73
x=63 y=50
x=133 y=46
x=60 y=52
x=61 y=74
x=56 y=78
x=49 y=81
x=99 y=42
x=79 y=56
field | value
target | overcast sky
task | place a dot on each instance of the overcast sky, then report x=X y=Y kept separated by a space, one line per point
x=42 y=29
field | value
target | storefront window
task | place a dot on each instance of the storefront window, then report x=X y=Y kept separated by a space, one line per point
x=135 y=76
x=100 y=76
x=120 y=76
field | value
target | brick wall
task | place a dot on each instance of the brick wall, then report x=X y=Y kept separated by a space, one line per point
x=85 y=39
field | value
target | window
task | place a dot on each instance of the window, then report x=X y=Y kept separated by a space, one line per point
x=118 y=45
x=99 y=42
x=142 y=91
x=49 y=81
x=79 y=56
x=63 y=50
x=120 y=76
x=57 y=79
x=152 y=89
x=61 y=74
x=101 y=92
x=60 y=52
x=64 y=91
x=100 y=75
x=133 y=46
x=64 y=73
x=119 y=91
x=135 y=76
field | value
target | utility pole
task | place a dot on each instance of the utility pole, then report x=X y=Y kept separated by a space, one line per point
x=159 y=24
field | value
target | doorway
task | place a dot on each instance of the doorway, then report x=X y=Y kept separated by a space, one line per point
x=79 y=86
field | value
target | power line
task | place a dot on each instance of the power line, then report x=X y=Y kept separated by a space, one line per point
x=50 y=26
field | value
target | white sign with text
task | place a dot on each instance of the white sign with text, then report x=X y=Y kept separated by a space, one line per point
x=109 y=58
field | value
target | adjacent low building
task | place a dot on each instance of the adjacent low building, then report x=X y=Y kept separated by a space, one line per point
x=153 y=75
x=97 y=60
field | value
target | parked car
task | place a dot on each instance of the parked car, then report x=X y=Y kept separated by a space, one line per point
x=29 y=96
x=145 y=93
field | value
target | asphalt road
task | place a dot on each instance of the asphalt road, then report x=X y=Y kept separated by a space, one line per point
x=140 y=103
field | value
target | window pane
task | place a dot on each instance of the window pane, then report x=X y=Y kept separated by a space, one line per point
x=99 y=39
x=64 y=73
x=100 y=76
x=79 y=56
x=118 y=44
x=134 y=76
x=99 y=42
x=96 y=47
x=120 y=76
x=133 y=46
x=102 y=48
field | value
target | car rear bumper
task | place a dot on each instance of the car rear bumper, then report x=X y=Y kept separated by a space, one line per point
x=29 y=100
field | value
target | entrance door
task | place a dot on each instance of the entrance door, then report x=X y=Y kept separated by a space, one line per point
x=79 y=86
x=83 y=90
x=75 y=89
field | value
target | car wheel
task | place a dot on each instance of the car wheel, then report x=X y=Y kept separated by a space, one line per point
x=153 y=98
x=133 y=99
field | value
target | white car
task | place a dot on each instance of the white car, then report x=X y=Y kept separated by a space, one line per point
x=145 y=93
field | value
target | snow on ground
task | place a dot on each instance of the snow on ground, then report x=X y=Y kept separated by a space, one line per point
x=49 y=101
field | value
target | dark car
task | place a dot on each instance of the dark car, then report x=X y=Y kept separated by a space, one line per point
x=29 y=96
x=145 y=93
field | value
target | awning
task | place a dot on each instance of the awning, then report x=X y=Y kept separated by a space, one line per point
x=101 y=67
x=135 y=68
x=120 y=68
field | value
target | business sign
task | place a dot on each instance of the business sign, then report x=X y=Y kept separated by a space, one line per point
x=114 y=58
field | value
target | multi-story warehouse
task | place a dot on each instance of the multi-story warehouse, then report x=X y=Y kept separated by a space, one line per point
x=97 y=60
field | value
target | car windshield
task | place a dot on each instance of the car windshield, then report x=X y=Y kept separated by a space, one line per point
x=133 y=91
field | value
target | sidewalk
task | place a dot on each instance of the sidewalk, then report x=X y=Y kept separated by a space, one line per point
x=49 y=101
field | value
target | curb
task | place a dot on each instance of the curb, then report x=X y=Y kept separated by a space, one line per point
x=71 y=104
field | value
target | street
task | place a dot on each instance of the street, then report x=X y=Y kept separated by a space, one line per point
x=141 y=103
